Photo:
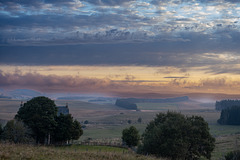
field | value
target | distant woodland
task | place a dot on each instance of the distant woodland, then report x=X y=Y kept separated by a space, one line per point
x=230 y=111
x=130 y=103
x=223 y=104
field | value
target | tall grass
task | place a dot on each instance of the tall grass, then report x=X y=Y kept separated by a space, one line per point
x=28 y=152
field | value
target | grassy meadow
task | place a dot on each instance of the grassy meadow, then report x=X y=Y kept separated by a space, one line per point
x=106 y=122
x=76 y=152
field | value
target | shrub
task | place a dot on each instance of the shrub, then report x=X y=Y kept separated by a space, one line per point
x=233 y=155
x=130 y=136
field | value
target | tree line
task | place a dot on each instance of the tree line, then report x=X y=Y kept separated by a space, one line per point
x=230 y=111
x=124 y=103
x=37 y=122
x=230 y=116
x=224 y=104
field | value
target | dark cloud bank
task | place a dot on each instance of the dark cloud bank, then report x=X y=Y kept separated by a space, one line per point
x=51 y=38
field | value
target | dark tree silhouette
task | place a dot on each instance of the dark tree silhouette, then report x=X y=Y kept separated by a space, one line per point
x=124 y=103
x=131 y=136
x=1 y=130
x=76 y=130
x=16 y=132
x=224 y=104
x=39 y=115
x=230 y=116
x=174 y=136
x=66 y=129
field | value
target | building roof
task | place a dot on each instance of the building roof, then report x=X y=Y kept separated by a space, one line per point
x=63 y=109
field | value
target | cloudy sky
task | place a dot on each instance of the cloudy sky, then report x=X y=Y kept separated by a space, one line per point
x=120 y=47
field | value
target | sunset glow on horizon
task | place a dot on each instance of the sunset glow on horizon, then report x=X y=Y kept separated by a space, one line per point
x=115 y=47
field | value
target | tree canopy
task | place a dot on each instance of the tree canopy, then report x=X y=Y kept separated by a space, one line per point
x=175 y=136
x=230 y=116
x=39 y=114
x=67 y=129
x=124 y=103
x=224 y=104
x=131 y=136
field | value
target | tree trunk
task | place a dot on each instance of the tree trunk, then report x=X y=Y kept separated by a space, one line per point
x=49 y=139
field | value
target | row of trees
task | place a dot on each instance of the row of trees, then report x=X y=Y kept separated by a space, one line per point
x=224 y=104
x=37 y=120
x=173 y=135
x=124 y=103
x=230 y=116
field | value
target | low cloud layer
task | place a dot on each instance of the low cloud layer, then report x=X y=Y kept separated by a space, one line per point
x=189 y=35
x=129 y=86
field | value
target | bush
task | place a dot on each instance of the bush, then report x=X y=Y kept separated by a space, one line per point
x=16 y=132
x=131 y=136
x=139 y=120
x=174 y=136
x=233 y=155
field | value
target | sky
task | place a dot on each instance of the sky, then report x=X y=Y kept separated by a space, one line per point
x=121 y=47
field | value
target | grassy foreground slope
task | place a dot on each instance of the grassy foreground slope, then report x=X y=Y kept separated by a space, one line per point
x=28 y=152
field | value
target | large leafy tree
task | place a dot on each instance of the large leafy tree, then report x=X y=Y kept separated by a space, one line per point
x=63 y=130
x=175 y=136
x=39 y=114
x=131 y=136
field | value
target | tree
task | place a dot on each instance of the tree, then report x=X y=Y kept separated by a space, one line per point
x=124 y=103
x=77 y=130
x=86 y=122
x=1 y=130
x=230 y=116
x=233 y=155
x=62 y=133
x=16 y=132
x=67 y=129
x=39 y=114
x=139 y=120
x=131 y=136
x=172 y=135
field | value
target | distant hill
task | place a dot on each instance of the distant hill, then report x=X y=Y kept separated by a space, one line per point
x=130 y=103
x=166 y=100
x=23 y=94
x=91 y=99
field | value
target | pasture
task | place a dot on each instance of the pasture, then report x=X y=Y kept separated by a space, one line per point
x=106 y=121
x=76 y=152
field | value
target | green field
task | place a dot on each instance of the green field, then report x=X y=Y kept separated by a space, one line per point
x=106 y=121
